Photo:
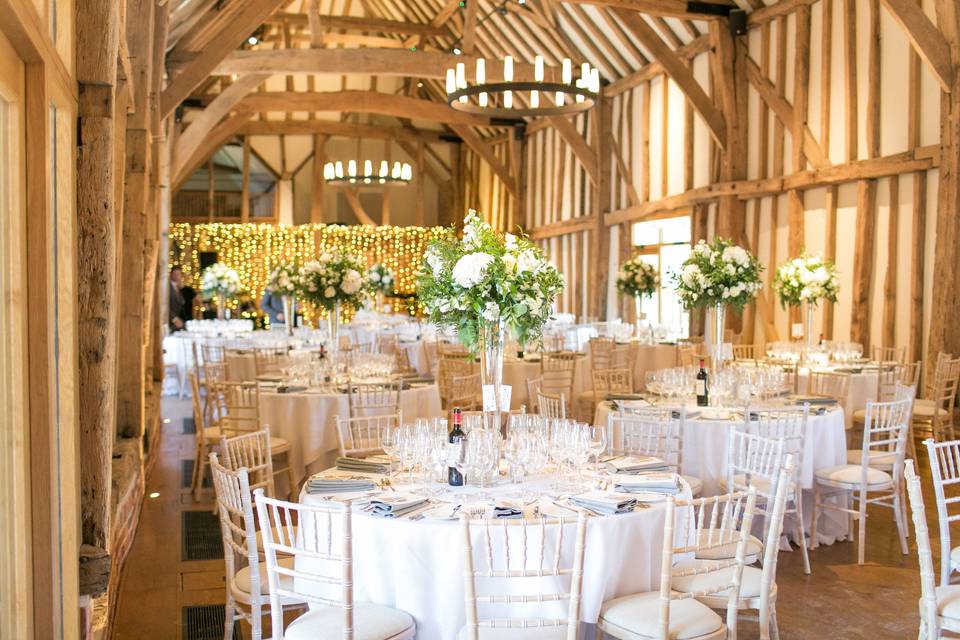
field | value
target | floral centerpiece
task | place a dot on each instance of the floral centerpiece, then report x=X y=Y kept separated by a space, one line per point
x=638 y=278
x=484 y=285
x=380 y=283
x=808 y=279
x=717 y=274
x=330 y=281
x=284 y=281
x=221 y=282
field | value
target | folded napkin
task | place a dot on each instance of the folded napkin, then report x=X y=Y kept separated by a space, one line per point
x=290 y=388
x=395 y=505
x=665 y=483
x=366 y=465
x=821 y=400
x=636 y=464
x=339 y=484
x=605 y=503
x=507 y=509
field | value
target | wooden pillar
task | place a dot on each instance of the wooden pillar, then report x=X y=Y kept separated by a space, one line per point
x=421 y=176
x=317 y=186
x=944 y=333
x=245 y=182
x=727 y=66
x=600 y=234
x=136 y=228
x=97 y=45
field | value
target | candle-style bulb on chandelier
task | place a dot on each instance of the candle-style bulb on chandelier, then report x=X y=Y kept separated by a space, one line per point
x=512 y=98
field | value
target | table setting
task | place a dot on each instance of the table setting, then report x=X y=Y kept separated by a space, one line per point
x=542 y=469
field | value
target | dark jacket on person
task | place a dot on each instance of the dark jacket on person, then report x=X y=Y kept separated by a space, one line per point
x=272 y=305
x=176 y=306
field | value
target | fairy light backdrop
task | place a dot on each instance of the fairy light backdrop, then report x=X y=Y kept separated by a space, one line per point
x=253 y=250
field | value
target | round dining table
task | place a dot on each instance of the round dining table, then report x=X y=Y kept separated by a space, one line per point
x=307 y=419
x=415 y=564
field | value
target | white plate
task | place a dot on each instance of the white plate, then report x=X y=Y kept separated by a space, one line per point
x=442 y=512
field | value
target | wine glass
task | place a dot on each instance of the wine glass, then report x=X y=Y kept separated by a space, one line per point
x=596 y=443
x=388 y=442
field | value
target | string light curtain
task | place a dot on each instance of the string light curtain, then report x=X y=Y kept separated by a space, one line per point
x=253 y=250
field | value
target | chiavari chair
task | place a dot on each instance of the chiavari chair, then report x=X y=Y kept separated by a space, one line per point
x=373 y=398
x=360 y=437
x=945 y=476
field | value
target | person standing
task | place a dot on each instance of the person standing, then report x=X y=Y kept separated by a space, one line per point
x=272 y=305
x=177 y=304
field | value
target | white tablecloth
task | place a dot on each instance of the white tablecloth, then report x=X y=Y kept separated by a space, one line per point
x=416 y=566
x=705 y=457
x=308 y=421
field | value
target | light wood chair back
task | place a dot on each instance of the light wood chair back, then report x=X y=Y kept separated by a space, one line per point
x=450 y=367
x=403 y=365
x=611 y=381
x=945 y=476
x=830 y=384
x=374 y=398
x=320 y=538
x=557 y=372
x=601 y=350
x=388 y=343
x=213 y=351
x=932 y=372
x=251 y=451
x=360 y=437
x=466 y=393
x=892 y=355
x=623 y=356
x=499 y=553
x=686 y=355
x=551 y=406
x=238 y=407
x=744 y=352
x=269 y=361
x=654 y=431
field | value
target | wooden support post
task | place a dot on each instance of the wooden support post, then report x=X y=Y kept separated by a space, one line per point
x=600 y=235
x=97 y=44
x=245 y=181
x=421 y=176
x=727 y=69
x=890 y=279
x=318 y=183
x=945 y=309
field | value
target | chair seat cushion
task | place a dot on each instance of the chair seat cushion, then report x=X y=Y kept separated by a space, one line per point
x=762 y=484
x=729 y=549
x=636 y=617
x=530 y=633
x=851 y=473
x=240 y=587
x=879 y=460
x=276 y=537
x=860 y=416
x=749 y=583
x=926 y=409
x=696 y=484
x=370 y=622
x=948 y=600
x=278 y=444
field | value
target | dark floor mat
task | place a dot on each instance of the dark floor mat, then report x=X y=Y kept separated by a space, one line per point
x=205 y=622
x=200 y=536
x=186 y=478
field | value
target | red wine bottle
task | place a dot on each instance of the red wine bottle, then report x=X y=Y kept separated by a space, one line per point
x=454 y=477
x=703 y=399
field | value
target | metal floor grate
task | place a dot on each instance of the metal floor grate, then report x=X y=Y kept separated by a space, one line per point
x=205 y=622
x=186 y=478
x=200 y=536
x=189 y=426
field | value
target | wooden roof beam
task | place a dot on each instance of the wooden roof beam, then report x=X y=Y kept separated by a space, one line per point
x=335 y=128
x=182 y=167
x=678 y=70
x=482 y=149
x=354 y=23
x=244 y=18
x=356 y=101
x=926 y=38
x=675 y=8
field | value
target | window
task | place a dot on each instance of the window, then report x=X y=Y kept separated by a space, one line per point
x=665 y=244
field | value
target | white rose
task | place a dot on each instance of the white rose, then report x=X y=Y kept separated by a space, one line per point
x=329 y=292
x=527 y=261
x=510 y=241
x=510 y=262
x=470 y=269
x=491 y=312
x=374 y=276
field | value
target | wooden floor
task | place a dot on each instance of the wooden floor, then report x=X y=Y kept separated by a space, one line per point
x=840 y=600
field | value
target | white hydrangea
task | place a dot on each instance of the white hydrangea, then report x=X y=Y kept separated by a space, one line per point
x=471 y=268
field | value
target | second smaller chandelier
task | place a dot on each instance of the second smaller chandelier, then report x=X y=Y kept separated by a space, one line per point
x=512 y=98
x=399 y=175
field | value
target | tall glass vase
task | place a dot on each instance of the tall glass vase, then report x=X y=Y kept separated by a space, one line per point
x=716 y=347
x=221 y=306
x=492 y=336
x=333 y=329
x=639 y=317
x=808 y=333
x=289 y=312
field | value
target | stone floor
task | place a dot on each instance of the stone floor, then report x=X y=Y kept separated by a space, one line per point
x=838 y=600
